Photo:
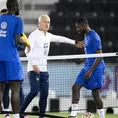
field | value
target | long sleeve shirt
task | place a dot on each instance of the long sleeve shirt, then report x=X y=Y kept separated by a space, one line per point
x=40 y=44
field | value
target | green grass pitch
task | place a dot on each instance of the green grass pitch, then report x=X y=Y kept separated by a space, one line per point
x=66 y=115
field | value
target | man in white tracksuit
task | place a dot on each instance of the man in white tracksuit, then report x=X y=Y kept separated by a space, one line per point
x=37 y=69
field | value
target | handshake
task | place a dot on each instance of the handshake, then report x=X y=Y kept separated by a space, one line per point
x=80 y=44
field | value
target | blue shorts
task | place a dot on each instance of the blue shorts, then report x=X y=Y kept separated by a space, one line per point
x=95 y=81
x=10 y=71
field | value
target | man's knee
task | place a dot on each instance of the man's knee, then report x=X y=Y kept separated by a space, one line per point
x=44 y=95
x=34 y=93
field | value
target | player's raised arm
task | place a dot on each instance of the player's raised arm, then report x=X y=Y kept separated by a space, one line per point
x=62 y=39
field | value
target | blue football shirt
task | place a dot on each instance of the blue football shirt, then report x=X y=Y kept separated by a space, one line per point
x=92 y=44
x=10 y=26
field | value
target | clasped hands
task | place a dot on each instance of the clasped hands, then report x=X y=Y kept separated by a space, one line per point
x=80 y=44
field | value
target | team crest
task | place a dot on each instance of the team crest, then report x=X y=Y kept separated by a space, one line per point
x=3 y=25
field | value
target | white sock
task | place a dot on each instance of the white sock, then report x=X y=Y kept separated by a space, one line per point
x=16 y=115
x=6 y=109
x=101 y=113
x=74 y=110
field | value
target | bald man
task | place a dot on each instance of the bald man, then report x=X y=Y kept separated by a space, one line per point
x=37 y=70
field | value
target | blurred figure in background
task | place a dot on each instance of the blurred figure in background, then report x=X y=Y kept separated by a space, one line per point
x=3 y=11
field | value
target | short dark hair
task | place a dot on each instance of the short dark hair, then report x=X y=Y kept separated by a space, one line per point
x=3 y=11
x=11 y=4
x=82 y=20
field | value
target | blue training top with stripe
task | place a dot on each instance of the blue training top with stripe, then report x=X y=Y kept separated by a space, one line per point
x=10 y=26
x=92 y=44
